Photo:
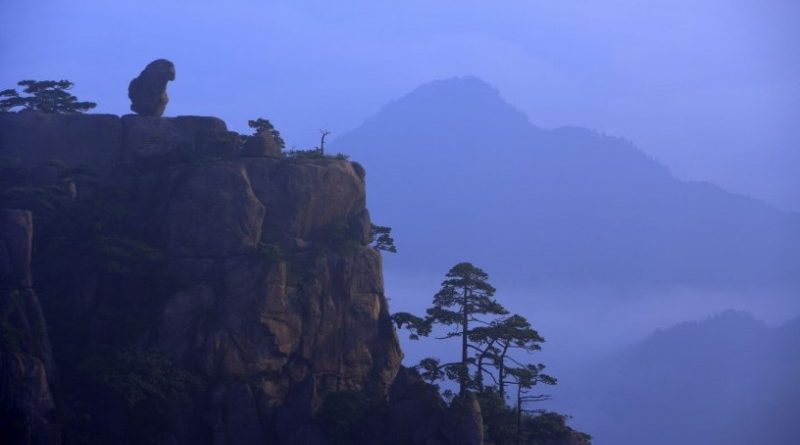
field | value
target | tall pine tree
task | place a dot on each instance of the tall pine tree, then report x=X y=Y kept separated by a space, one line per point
x=464 y=298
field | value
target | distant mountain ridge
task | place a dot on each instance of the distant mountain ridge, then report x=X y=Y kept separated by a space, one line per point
x=462 y=175
x=729 y=379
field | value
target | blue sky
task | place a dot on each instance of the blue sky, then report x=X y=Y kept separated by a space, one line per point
x=709 y=87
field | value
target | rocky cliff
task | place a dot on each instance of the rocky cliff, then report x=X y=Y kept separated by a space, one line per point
x=195 y=294
x=27 y=370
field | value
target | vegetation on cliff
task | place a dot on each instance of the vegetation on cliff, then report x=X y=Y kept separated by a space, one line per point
x=48 y=96
x=201 y=290
x=490 y=344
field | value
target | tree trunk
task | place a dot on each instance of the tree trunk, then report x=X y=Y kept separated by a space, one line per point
x=501 y=372
x=479 y=374
x=464 y=328
x=519 y=414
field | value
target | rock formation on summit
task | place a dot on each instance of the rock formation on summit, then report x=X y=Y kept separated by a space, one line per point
x=195 y=291
x=265 y=291
x=261 y=144
x=148 y=92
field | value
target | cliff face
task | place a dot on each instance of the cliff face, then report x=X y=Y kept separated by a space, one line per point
x=262 y=290
x=266 y=309
x=199 y=289
x=27 y=371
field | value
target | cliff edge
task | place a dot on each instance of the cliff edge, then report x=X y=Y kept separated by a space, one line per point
x=196 y=292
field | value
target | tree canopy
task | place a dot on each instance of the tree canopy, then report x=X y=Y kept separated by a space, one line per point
x=48 y=96
x=491 y=338
x=264 y=126
x=382 y=238
x=493 y=345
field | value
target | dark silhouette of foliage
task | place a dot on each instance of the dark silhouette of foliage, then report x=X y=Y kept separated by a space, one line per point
x=382 y=238
x=264 y=126
x=48 y=96
x=499 y=419
x=416 y=326
x=498 y=340
x=462 y=302
x=492 y=342
x=315 y=153
x=465 y=296
x=343 y=414
x=323 y=135
x=526 y=377
x=140 y=378
x=547 y=428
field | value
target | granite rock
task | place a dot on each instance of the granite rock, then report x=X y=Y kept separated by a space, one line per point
x=148 y=91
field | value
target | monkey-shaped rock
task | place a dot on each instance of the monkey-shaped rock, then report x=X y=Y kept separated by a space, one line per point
x=148 y=92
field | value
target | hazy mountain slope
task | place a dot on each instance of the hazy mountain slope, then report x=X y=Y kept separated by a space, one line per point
x=462 y=175
x=729 y=379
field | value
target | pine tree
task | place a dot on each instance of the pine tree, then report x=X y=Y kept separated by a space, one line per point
x=382 y=238
x=48 y=96
x=525 y=378
x=264 y=126
x=465 y=296
x=498 y=340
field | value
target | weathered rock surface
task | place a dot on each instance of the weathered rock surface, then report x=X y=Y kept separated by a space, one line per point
x=162 y=140
x=261 y=144
x=93 y=140
x=266 y=294
x=314 y=314
x=102 y=141
x=464 y=423
x=279 y=299
x=27 y=406
x=148 y=92
x=417 y=413
x=16 y=235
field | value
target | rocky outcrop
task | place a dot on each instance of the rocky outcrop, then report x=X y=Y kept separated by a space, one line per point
x=148 y=92
x=313 y=315
x=464 y=423
x=261 y=302
x=261 y=144
x=103 y=141
x=153 y=141
x=27 y=406
x=93 y=140
x=417 y=415
x=274 y=298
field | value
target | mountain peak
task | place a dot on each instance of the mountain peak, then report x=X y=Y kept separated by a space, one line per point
x=466 y=106
x=457 y=86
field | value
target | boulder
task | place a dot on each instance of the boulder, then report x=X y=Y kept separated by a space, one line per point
x=464 y=422
x=261 y=144
x=416 y=410
x=148 y=92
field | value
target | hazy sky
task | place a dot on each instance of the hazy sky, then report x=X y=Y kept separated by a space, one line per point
x=710 y=87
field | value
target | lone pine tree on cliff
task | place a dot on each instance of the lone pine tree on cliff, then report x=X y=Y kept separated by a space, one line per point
x=492 y=346
x=48 y=96
x=464 y=298
x=491 y=339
